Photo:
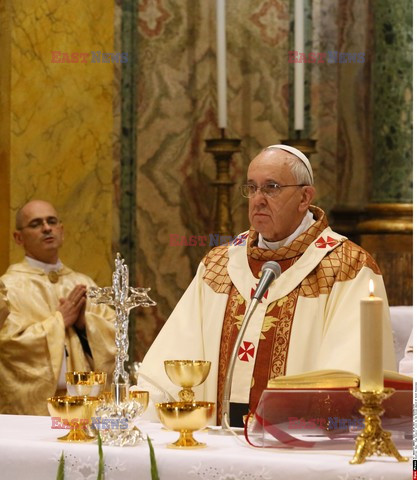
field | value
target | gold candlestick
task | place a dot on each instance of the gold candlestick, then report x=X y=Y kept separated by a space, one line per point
x=305 y=145
x=223 y=149
x=374 y=439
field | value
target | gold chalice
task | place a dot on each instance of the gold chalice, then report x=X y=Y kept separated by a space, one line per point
x=187 y=374
x=89 y=384
x=74 y=412
x=106 y=397
x=141 y=397
x=186 y=418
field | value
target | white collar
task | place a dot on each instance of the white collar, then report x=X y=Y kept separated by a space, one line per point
x=305 y=224
x=46 y=267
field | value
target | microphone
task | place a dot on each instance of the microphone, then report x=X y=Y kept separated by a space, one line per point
x=270 y=271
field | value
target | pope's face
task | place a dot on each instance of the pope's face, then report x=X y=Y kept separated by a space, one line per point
x=276 y=217
x=40 y=232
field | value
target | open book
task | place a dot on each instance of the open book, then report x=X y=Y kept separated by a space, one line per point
x=323 y=379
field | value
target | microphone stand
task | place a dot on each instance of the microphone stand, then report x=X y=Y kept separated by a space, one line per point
x=225 y=415
x=271 y=270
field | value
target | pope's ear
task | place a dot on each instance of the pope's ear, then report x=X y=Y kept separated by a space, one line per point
x=17 y=235
x=308 y=194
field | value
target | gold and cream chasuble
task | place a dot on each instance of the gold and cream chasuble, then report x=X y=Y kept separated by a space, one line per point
x=308 y=319
x=33 y=338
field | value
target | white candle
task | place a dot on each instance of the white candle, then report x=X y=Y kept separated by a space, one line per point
x=372 y=375
x=221 y=64
x=299 y=67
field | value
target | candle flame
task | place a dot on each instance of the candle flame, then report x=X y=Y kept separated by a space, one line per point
x=371 y=288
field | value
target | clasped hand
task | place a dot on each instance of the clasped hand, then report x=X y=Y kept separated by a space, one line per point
x=72 y=307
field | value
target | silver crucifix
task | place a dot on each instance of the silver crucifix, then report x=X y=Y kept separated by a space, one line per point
x=123 y=298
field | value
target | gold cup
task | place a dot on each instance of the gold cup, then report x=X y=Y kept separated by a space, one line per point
x=89 y=384
x=185 y=418
x=141 y=397
x=106 y=397
x=76 y=412
x=187 y=374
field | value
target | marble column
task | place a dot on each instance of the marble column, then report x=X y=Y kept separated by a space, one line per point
x=392 y=102
x=386 y=231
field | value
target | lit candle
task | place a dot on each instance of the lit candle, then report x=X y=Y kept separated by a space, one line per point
x=221 y=64
x=299 y=67
x=372 y=375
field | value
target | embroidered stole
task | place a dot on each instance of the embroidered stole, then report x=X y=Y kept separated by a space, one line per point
x=264 y=349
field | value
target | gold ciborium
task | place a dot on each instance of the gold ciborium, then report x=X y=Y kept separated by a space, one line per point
x=74 y=413
x=90 y=384
x=187 y=374
x=185 y=418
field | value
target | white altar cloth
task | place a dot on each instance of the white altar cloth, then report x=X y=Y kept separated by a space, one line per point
x=29 y=450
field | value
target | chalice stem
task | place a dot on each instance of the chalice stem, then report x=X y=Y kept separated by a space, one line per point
x=186 y=395
x=187 y=440
x=76 y=434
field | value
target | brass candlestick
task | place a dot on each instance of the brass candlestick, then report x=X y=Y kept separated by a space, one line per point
x=223 y=149
x=373 y=439
x=305 y=145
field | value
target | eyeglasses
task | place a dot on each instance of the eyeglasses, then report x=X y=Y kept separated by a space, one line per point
x=39 y=222
x=271 y=189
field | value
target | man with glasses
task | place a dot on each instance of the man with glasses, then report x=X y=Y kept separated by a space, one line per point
x=51 y=327
x=309 y=318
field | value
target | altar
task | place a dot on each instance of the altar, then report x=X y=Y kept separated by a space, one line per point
x=29 y=449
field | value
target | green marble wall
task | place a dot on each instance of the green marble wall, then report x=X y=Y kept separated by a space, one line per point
x=392 y=101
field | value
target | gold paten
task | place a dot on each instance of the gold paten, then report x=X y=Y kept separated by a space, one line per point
x=373 y=439
x=187 y=374
x=185 y=418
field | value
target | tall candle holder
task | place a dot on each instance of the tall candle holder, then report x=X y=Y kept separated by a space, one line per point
x=305 y=145
x=223 y=150
x=119 y=413
x=373 y=439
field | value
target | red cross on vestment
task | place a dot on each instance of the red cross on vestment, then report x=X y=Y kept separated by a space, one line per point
x=322 y=243
x=252 y=293
x=246 y=350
